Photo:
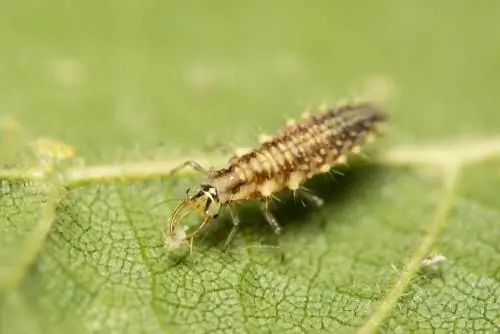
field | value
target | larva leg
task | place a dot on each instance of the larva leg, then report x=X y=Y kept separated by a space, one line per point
x=224 y=149
x=236 y=222
x=316 y=200
x=190 y=163
x=270 y=218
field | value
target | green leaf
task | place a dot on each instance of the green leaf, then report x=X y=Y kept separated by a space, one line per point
x=137 y=88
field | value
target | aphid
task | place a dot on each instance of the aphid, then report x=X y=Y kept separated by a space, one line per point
x=299 y=151
x=432 y=260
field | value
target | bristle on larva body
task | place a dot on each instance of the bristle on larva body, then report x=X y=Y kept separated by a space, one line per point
x=300 y=150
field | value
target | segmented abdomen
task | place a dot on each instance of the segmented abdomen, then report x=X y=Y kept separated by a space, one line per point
x=297 y=152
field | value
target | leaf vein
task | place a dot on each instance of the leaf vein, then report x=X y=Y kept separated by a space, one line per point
x=11 y=277
x=144 y=257
x=414 y=264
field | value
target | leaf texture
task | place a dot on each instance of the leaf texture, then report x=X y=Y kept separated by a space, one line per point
x=133 y=90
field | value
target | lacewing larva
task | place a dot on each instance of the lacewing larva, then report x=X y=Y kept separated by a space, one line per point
x=296 y=153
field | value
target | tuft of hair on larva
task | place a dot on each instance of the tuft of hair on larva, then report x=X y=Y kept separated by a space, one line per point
x=264 y=138
x=241 y=151
x=323 y=106
x=312 y=144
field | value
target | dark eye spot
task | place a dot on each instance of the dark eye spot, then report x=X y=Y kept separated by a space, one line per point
x=210 y=189
x=197 y=195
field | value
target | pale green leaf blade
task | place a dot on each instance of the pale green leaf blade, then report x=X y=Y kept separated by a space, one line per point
x=136 y=87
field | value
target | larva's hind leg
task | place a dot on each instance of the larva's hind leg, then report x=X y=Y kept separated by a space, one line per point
x=270 y=218
x=316 y=200
x=236 y=222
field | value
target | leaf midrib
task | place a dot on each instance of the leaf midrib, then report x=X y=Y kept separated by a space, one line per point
x=434 y=229
x=450 y=159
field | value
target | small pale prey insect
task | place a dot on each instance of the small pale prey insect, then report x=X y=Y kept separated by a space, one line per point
x=297 y=152
x=432 y=260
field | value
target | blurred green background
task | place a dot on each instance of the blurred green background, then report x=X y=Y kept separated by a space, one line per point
x=119 y=78
x=109 y=75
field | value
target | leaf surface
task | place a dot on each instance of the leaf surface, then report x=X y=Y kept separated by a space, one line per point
x=135 y=88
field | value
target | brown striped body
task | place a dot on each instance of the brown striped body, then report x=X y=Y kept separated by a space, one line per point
x=296 y=153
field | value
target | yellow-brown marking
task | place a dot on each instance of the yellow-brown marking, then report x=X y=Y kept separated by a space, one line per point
x=300 y=150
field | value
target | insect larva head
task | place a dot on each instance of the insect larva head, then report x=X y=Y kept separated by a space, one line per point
x=204 y=201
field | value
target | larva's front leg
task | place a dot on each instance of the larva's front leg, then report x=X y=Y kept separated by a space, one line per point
x=190 y=163
x=236 y=222
x=219 y=147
